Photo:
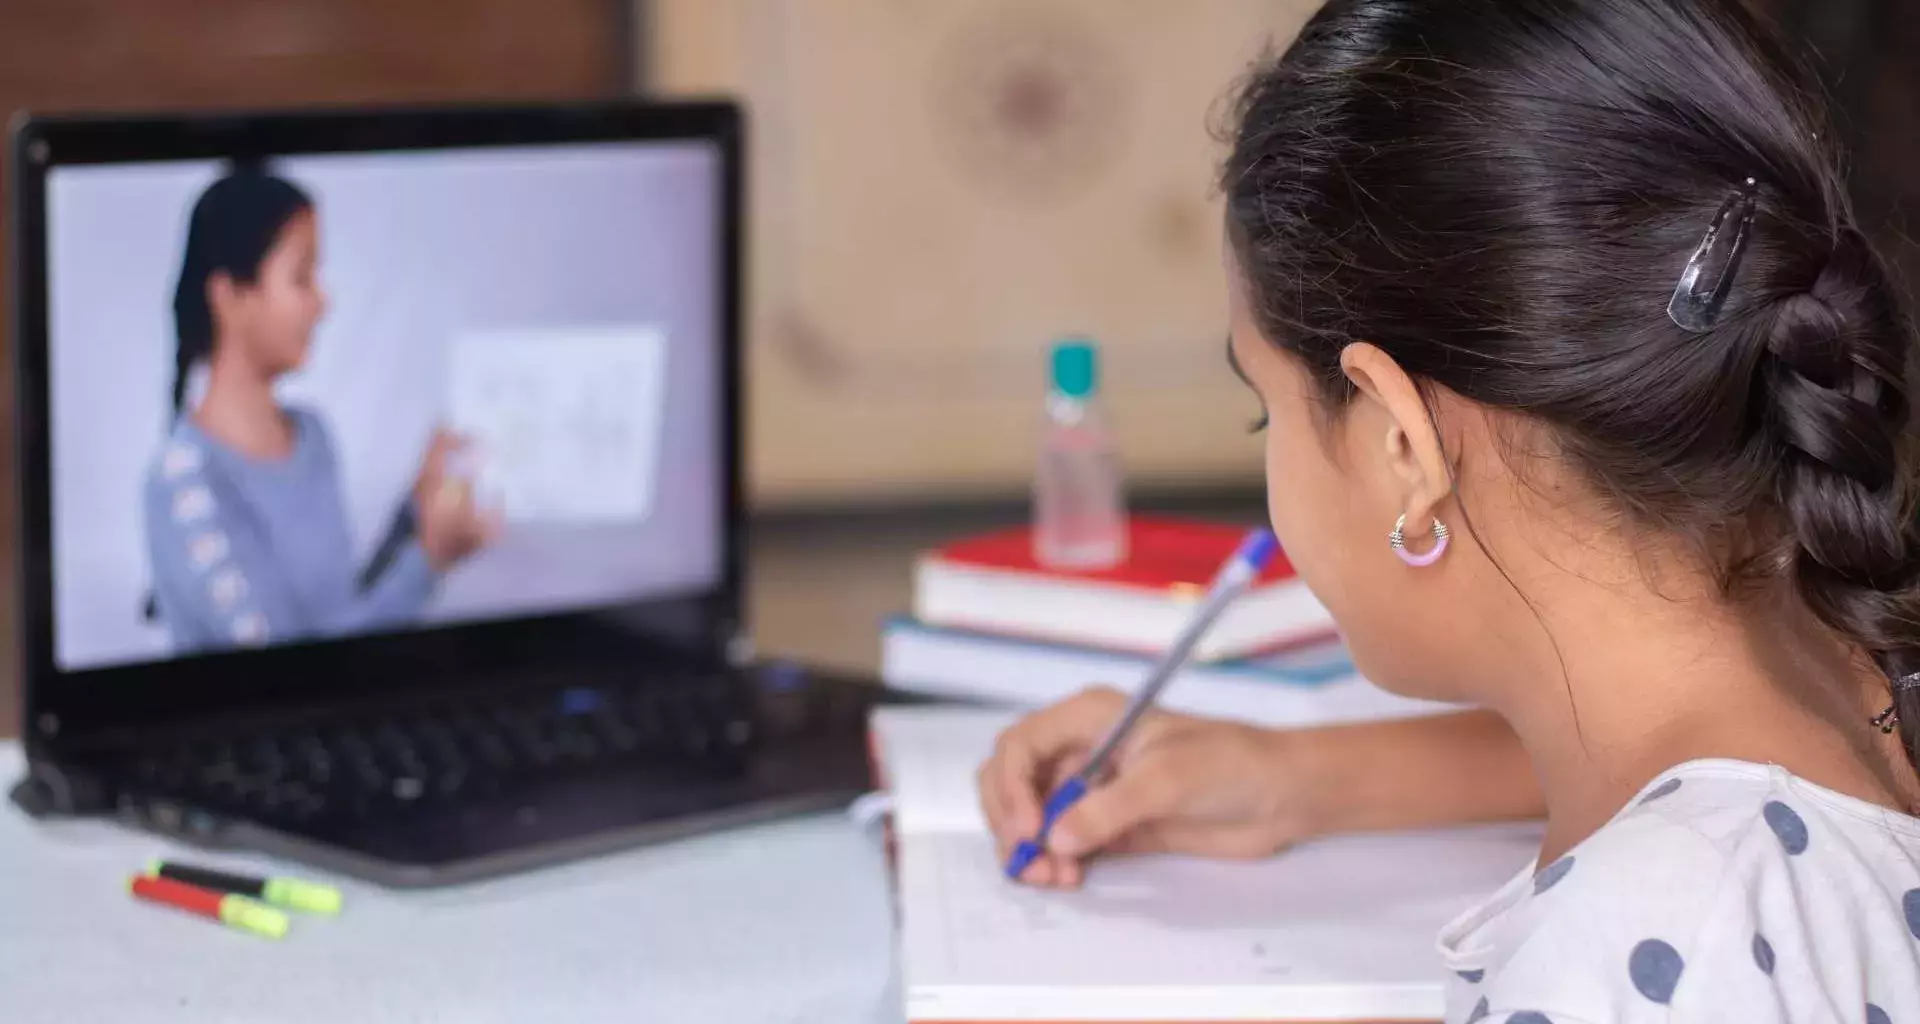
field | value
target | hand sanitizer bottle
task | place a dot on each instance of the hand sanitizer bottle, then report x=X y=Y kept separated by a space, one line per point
x=1079 y=500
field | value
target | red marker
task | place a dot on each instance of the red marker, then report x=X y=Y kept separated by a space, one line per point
x=232 y=911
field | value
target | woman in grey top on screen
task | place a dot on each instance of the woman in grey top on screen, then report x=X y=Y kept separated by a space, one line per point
x=246 y=526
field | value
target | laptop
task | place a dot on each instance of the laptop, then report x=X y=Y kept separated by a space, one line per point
x=381 y=497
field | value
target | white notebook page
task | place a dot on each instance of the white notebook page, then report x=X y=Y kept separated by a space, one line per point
x=929 y=757
x=1336 y=929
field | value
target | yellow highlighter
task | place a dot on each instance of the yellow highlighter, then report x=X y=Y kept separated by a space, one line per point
x=292 y=893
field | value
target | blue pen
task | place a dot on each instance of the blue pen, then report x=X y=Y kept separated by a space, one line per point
x=1233 y=579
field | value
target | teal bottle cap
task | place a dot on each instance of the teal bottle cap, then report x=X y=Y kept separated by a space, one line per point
x=1076 y=367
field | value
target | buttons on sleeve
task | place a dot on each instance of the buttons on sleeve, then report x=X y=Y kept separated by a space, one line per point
x=207 y=550
x=227 y=588
x=192 y=504
x=179 y=460
x=250 y=629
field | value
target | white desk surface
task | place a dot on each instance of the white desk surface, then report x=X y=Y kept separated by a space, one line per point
x=783 y=922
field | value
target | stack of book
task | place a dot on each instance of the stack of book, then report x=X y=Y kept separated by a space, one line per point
x=990 y=623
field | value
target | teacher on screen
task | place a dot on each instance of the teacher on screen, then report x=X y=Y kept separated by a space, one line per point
x=246 y=527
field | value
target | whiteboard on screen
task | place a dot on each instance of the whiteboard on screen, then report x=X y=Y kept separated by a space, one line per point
x=563 y=423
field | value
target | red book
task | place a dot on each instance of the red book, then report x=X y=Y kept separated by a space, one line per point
x=994 y=584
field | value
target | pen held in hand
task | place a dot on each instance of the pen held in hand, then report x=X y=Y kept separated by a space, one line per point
x=1239 y=573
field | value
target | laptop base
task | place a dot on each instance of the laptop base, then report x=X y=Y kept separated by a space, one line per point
x=806 y=751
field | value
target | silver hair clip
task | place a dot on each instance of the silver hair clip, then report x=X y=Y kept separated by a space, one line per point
x=1696 y=309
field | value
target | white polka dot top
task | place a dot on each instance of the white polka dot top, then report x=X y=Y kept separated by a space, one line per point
x=1726 y=891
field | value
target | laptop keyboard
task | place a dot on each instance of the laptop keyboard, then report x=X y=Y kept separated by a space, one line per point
x=447 y=749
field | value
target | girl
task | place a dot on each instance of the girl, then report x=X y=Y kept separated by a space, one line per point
x=245 y=525
x=1588 y=406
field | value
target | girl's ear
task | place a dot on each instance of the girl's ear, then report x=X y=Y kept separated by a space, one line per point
x=1411 y=442
x=222 y=295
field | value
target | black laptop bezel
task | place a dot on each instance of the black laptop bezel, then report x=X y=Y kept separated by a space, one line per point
x=104 y=706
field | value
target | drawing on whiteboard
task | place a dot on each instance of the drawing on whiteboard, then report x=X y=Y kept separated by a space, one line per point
x=564 y=423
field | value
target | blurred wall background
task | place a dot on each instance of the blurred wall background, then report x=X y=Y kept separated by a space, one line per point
x=940 y=188
x=943 y=188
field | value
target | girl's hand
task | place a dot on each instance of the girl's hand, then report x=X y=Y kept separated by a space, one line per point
x=1178 y=784
x=452 y=525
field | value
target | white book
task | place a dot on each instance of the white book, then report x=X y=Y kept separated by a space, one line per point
x=1333 y=930
x=1309 y=686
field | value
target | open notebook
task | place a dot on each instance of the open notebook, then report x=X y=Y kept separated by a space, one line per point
x=1335 y=930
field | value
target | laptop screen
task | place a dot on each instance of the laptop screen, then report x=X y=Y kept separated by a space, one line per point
x=330 y=395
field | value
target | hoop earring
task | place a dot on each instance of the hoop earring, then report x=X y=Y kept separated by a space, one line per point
x=1398 y=541
x=1889 y=720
